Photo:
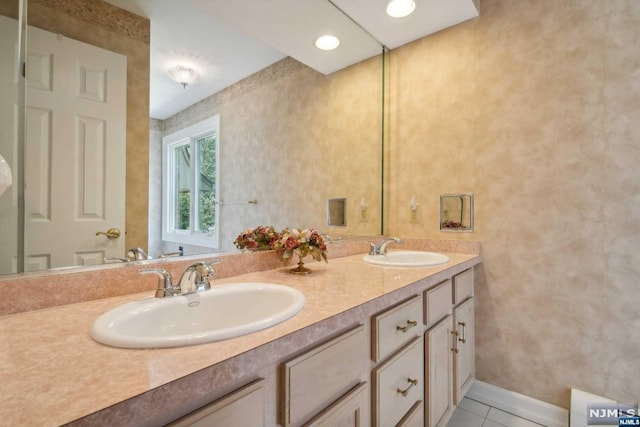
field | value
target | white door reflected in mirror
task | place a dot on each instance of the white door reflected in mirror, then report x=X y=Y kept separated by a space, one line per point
x=75 y=121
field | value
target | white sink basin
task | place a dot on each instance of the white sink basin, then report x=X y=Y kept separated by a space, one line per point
x=225 y=311
x=407 y=259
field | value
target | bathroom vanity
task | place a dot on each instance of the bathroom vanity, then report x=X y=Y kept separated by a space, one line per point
x=373 y=346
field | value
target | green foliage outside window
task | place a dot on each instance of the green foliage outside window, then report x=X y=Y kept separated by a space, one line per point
x=183 y=211
x=206 y=197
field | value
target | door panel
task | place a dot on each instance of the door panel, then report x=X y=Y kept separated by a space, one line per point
x=9 y=142
x=76 y=131
x=465 y=363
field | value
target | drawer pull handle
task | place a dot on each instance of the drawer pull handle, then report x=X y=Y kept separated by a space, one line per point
x=455 y=349
x=463 y=339
x=404 y=392
x=410 y=324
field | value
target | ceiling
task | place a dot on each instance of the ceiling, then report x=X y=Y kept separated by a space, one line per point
x=183 y=35
x=225 y=41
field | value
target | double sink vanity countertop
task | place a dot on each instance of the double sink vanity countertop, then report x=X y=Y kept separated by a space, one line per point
x=53 y=373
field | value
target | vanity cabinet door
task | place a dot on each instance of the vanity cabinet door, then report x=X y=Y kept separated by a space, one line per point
x=244 y=407
x=465 y=356
x=439 y=373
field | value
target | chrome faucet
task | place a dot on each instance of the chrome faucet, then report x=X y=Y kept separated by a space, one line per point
x=196 y=277
x=114 y=259
x=166 y=287
x=328 y=239
x=381 y=248
x=136 y=254
x=133 y=254
x=171 y=254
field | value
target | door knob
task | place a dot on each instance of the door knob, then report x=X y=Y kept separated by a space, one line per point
x=112 y=233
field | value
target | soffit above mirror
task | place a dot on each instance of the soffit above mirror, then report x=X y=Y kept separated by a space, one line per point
x=292 y=26
x=226 y=41
x=429 y=17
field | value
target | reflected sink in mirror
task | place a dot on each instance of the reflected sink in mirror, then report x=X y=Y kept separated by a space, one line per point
x=407 y=259
x=225 y=311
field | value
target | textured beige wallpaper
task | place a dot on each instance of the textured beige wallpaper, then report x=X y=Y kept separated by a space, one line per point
x=101 y=24
x=292 y=138
x=534 y=108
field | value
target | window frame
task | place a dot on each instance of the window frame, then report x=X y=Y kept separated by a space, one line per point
x=190 y=135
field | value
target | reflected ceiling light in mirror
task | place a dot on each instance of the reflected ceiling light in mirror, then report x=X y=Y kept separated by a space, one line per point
x=327 y=42
x=184 y=75
x=400 y=8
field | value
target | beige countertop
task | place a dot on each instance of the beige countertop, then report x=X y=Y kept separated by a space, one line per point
x=52 y=372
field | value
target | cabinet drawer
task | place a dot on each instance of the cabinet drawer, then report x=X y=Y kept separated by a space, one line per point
x=437 y=303
x=415 y=416
x=462 y=286
x=244 y=407
x=317 y=378
x=396 y=327
x=398 y=384
x=348 y=411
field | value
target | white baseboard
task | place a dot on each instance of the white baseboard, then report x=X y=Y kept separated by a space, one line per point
x=519 y=404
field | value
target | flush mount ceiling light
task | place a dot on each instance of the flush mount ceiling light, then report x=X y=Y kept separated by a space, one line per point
x=400 y=8
x=327 y=42
x=184 y=75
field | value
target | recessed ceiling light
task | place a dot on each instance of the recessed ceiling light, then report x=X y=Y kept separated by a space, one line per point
x=400 y=8
x=327 y=42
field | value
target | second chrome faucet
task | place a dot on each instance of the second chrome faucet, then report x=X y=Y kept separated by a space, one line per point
x=381 y=247
x=194 y=279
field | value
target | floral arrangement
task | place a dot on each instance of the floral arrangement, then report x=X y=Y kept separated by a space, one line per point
x=261 y=238
x=286 y=243
x=301 y=243
x=448 y=223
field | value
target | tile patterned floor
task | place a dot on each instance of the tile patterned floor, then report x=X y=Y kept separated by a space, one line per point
x=471 y=413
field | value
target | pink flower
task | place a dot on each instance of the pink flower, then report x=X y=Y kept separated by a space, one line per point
x=307 y=234
x=251 y=244
x=291 y=243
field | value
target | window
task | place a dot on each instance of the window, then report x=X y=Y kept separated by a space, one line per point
x=190 y=184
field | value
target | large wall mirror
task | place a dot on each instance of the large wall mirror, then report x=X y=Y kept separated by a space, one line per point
x=290 y=137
